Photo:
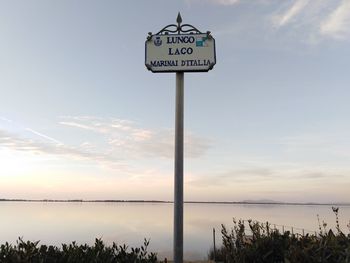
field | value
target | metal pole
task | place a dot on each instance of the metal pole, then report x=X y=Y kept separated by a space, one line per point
x=214 y=245
x=179 y=149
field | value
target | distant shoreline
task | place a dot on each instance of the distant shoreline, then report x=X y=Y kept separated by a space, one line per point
x=168 y=202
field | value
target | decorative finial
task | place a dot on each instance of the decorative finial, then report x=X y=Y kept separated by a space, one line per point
x=179 y=21
x=179 y=18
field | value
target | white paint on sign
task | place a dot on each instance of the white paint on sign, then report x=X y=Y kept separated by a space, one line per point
x=183 y=52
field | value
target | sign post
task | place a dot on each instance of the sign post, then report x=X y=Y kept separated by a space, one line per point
x=178 y=171
x=179 y=48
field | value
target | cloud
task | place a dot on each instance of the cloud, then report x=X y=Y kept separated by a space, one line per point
x=318 y=145
x=16 y=125
x=17 y=143
x=272 y=174
x=225 y=2
x=313 y=21
x=233 y=176
x=308 y=140
x=114 y=143
x=5 y=119
x=316 y=175
x=161 y=144
x=295 y=182
x=291 y=13
x=306 y=21
x=337 y=24
x=123 y=135
x=216 y=2
x=96 y=124
x=43 y=136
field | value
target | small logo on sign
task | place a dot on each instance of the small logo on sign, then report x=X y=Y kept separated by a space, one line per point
x=201 y=42
x=157 y=41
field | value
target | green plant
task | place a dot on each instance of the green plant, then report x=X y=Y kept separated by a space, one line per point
x=31 y=252
x=266 y=244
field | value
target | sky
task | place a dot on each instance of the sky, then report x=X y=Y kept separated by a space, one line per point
x=81 y=117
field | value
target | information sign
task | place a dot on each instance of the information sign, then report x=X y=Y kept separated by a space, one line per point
x=180 y=52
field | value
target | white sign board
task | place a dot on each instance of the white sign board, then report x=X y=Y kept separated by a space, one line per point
x=183 y=52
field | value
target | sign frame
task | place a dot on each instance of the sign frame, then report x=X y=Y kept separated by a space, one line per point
x=186 y=30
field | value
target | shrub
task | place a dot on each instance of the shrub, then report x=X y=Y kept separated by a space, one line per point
x=31 y=252
x=266 y=244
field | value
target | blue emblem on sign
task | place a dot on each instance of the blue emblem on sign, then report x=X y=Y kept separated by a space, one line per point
x=201 y=42
x=157 y=41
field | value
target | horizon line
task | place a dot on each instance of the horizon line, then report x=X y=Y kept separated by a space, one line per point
x=270 y=202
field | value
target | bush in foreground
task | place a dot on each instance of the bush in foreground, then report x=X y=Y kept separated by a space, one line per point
x=266 y=244
x=32 y=252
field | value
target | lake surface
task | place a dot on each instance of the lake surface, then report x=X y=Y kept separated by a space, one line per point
x=130 y=223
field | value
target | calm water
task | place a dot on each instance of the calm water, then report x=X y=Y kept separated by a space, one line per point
x=56 y=223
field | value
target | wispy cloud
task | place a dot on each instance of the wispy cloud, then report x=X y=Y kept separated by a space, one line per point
x=318 y=145
x=30 y=130
x=17 y=143
x=215 y=2
x=337 y=24
x=315 y=20
x=44 y=136
x=304 y=21
x=115 y=143
x=137 y=142
x=233 y=176
x=225 y=2
x=293 y=11
x=269 y=174
x=5 y=119
x=97 y=124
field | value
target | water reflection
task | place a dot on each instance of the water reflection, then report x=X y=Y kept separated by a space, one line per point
x=56 y=223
